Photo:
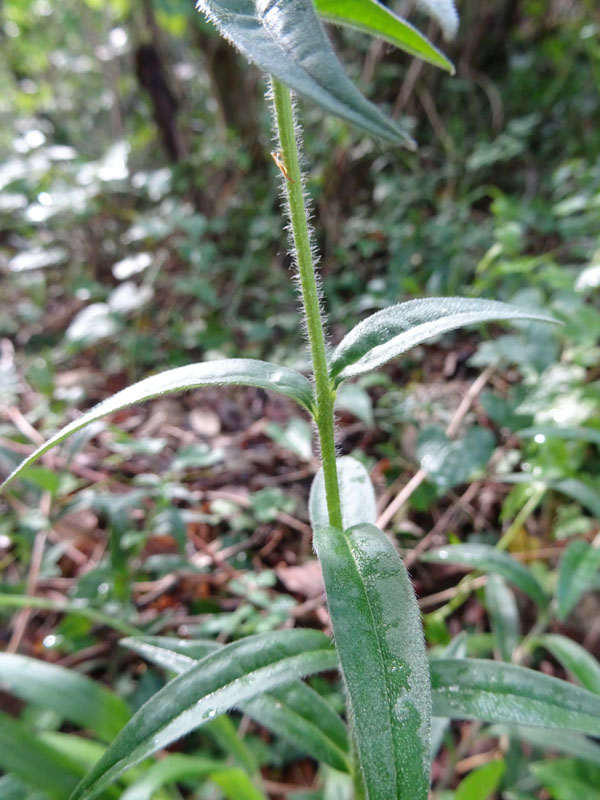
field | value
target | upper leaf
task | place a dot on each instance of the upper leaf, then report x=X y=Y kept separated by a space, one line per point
x=220 y=681
x=370 y=16
x=247 y=371
x=379 y=639
x=357 y=495
x=391 y=331
x=285 y=39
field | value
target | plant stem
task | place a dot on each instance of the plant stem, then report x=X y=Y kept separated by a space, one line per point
x=286 y=128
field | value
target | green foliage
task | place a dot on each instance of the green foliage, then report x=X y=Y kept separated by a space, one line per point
x=379 y=639
x=139 y=259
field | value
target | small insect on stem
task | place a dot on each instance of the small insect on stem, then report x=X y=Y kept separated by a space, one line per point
x=276 y=156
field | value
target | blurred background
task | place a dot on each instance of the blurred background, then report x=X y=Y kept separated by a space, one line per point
x=141 y=228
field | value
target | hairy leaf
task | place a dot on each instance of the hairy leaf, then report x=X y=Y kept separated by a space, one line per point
x=473 y=688
x=372 y=17
x=392 y=331
x=357 y=495
x=295 y=712
x=216 y=683
x=231 y=371
x=300 y=715
x=445 y=14
x=285 y=39
x=379 y=639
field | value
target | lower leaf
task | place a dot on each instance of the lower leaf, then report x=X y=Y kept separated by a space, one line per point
x=379 y=639
x=220 y=681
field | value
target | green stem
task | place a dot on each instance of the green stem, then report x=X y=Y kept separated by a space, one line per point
x=286 y=128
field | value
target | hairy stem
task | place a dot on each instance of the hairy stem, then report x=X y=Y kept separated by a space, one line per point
x=286 y=128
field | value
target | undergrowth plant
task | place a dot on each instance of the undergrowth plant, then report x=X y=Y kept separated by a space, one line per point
x=392 y=689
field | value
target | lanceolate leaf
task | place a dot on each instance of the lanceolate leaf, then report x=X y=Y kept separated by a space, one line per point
x=503 y=614
x=285 y=39
x=231 y=371
x=392 y=331
x=296 y=712
x=553 y=432
x=179 y=767
x=36 y=763
x=571 y=743
x=473 y=688
x=486 y=558
x=578 y=567
x=379 y=639
x=574 y=658
x=73 y=696
x=356 y=494
x=300 y=715
x=220 y=681
x=370 y=16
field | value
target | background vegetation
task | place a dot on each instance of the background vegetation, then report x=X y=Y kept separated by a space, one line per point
x=141 y=229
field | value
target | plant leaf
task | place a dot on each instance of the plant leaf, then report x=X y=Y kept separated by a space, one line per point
x=486 y=558
x=439 y=725
x=285 y=39
x=34 y=762
x=379 y=639
x=481 y=783
x=574 y=658
x=551 y=431
x=474 y=688
x=570 y=743
x=73 y=696
x=295 y=712
x=226 y=372
x=504 y=616
x=357 y=495
x=567 y=779
x=300 y=715
x=444 y=12
x=394 y=330
x=216 y=683
x=578 y=567
x=178 y=767
x=370 y=16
